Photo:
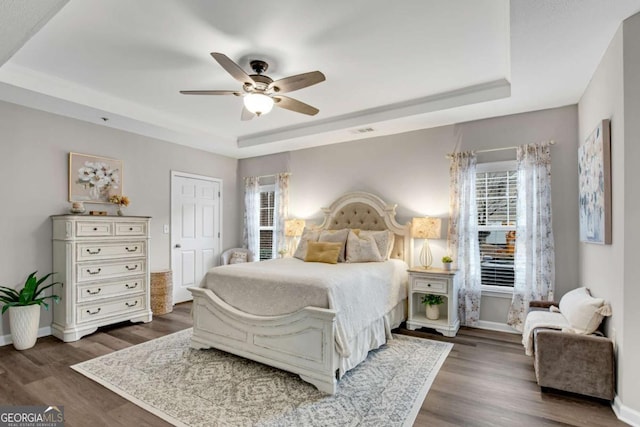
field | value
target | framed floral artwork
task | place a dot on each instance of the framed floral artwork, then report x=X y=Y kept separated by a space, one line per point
x=94 y=179
x=594 y=170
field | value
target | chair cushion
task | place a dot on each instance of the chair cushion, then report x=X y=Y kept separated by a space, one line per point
x=238 y=257
x=583 y=312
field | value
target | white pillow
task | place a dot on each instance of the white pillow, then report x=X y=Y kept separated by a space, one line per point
x=238 y=258
x=583 y=312
x=362 y=249
x=339 y=236
x=384 y=240
x=307 y=235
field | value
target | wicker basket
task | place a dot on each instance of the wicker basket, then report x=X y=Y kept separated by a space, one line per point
x=161 y=292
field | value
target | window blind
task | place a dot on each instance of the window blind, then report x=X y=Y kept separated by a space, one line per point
x=496 y=196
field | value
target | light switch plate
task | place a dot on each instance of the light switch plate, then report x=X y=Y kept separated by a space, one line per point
x=165 y=229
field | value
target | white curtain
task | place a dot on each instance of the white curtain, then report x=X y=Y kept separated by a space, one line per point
x=252 y=215
x=463 y=236
x=534 y=255
x=281 y=208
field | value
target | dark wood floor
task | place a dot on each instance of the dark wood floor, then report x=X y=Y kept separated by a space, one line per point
x=486 y=381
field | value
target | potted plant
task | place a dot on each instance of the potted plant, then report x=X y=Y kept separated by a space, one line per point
x=24 y=309
x=446 y=262
x=432 y=302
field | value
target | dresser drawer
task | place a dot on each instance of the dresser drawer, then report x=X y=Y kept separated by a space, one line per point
x=96 y=291
x=436 y=286
x=89 y=272
x=91 y=312
x=131 y=229
x=89 y=251
x=94 y=229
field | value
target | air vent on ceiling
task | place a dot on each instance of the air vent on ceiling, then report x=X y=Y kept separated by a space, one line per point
x=363 y=130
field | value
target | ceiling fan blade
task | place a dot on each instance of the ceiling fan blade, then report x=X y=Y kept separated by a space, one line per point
x=294 y=105
x=233 y=68
x=210 y=92
x=299 y=81
x=246 y=114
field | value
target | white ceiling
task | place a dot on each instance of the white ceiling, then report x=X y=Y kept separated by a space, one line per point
x=392 y=66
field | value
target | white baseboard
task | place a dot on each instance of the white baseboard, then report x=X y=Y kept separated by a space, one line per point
x=42 y=332
x=496 y=326
x=624 y=413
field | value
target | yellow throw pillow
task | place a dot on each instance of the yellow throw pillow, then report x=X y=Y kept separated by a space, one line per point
x=323 y=252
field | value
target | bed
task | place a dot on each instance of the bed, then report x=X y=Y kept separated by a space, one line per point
x=313 y=319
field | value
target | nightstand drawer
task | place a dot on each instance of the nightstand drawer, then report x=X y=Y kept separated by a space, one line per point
x=429 y=285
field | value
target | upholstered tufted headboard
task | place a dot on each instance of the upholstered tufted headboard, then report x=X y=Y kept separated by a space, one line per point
x=368 y=212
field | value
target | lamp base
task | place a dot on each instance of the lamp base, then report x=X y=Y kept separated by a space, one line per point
x=426 y=259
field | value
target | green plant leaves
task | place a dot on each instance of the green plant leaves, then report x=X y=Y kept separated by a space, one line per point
x=28 y=295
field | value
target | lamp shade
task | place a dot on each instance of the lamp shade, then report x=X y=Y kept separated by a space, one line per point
x=426 y=228
x=258 y=103
x=293 y=227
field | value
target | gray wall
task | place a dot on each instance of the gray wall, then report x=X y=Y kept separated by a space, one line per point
x=411 y=170
x=34 y=149
x=612 y=271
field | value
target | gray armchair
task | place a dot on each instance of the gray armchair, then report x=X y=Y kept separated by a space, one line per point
x=583 y=364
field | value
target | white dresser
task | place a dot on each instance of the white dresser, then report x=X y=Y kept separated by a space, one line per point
x=103 y=263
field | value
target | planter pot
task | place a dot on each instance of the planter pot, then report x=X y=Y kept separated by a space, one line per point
x=24 y=321
x=433 y=312
x=446 y=266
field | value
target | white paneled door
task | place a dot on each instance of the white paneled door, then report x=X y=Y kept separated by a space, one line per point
x=195 y=230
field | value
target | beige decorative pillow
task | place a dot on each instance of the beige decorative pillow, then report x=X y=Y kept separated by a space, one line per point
x=362 y=249
x=384 y=240
x=583 y=312
x=339 y=236
x=307 y=236
x=238 y=258
x=327 y=252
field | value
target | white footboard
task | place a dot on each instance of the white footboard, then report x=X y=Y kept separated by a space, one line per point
x=302 y=342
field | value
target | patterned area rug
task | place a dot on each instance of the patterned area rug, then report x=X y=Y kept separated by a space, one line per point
x=189 y=387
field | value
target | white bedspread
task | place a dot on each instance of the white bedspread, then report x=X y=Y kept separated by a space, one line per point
x=361 y=293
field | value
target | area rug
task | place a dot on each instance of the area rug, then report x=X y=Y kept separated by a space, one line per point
x=188 y=387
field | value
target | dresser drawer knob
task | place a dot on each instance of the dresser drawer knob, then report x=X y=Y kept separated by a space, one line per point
x=93 y=273
x=128 y=286
x=428 y=285
x=130 y=228
x=96 y=292
x=95 y=228
x=94 y=312
x=96 y=252
x=131 y=250
x=131 y=268
x=131 y=305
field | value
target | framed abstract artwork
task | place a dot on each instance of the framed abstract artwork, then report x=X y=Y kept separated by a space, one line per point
x=594 y=169
x=94 y=179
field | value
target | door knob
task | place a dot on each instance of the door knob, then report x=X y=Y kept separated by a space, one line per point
x=178 y=245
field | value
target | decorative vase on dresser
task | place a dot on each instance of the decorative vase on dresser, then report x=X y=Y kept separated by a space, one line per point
x=104 y=265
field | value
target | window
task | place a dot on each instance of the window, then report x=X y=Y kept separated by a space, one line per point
x=267 y=223
x=496 y=197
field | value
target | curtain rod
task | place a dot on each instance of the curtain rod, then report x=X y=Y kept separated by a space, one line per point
x=490 y=150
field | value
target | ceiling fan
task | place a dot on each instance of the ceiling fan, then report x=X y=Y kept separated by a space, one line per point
x=260 y=92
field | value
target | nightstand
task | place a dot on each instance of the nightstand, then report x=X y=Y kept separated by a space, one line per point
x=438 y=282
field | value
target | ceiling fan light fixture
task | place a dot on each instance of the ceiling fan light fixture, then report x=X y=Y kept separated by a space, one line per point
x=258 y=103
